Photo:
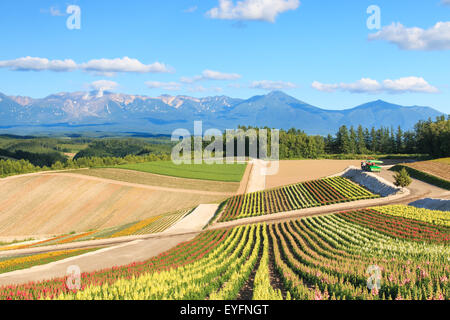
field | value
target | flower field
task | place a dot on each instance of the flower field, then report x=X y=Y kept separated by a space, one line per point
x=398 y=227
x=297 y=196
x=365 y=254
x=437 y=217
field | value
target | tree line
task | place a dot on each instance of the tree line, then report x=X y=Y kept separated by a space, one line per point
x=13 y=167
x=428 y=137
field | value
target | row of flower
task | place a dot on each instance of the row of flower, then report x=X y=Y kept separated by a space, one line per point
x=183 y=254
x=441 y=218
x=220 y=275
x=297 y=196
x=331 y=258
x=399 y=227
x=23 y=262
x=323 y=257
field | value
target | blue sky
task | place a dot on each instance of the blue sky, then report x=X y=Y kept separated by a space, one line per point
x=318 y=51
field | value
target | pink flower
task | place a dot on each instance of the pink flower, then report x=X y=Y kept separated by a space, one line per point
x=318 y=295
x=374 y=291
x=423 y=274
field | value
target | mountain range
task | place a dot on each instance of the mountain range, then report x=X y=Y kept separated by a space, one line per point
x=115 y=112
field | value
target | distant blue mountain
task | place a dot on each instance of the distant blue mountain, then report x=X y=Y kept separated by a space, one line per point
x=113 y=112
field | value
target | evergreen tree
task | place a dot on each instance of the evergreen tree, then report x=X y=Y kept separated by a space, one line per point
x=343 y=140
x=402 y=178
x=353 y=140
x=373 y=140
x=399 y=147
x=361 y=141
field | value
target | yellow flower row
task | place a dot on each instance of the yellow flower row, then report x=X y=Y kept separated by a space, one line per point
x=436 y=217
x=35 y=258
x=184 y=282
x=135 y=227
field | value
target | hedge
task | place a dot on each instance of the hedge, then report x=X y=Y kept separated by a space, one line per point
x=423 y=176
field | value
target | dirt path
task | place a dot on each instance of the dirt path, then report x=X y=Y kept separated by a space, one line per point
x=245 y=179
x=418 y=188
x=257 y=180
x=135 y=251
x=195 y=221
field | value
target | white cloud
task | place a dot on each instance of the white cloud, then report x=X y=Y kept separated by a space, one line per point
x=324 y=87
x=272 y=85
x=363 y=85
x=409 y=84
x=106 y=67
x=38 y=64
x=367 y=85
x=103 y=85
x=445 y=2
x=203 y=89
x=171 y=86
x=125 y=64
x=434 y=38
x=197 y=89
x=263 y=10
x=215 y=75
x=191 y=9
x=53 y=11
x=211 y=75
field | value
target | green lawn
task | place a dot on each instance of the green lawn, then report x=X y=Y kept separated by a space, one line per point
x=216 y=172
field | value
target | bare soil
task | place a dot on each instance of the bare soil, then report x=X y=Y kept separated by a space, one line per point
x=47 y=204
x=160 y=180
x=435 y=168
x=294 y=171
